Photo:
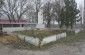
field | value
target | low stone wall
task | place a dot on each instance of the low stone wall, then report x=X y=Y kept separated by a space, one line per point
x=40 y=26
x=53 y=38
x=46 y=40
x=77 y=31
x=61 y=35
x=29 y=39
x=11 y=29
x=34 y=41
x=22 y=37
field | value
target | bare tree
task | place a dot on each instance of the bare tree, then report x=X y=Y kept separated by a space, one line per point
x=31 y=16
x=15 y=9
x=48 y=13
x=9 y=9
x=1 y=4
x=51 y=12
x=22 y=8
x=57 y=8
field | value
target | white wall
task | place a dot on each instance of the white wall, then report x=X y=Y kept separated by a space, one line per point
x=29 y=39
x=40 y=26
x=34 y=41
x=77 y=31
x=46 y=40
x=11 y=29
x=53 y=38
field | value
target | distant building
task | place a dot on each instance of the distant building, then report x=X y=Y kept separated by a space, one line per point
x=8 y=26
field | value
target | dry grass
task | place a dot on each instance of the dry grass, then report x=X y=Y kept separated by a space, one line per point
x=40 y=33
x=7 y=39
x=13 y=41
x=18 y=44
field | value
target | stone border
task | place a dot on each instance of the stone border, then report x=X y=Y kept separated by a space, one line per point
x=29 y=39
x=77 y=31
x=37 y=42
x=53 y=38
x=46 y=40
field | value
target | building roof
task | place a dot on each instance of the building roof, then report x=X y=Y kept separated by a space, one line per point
x=4 y=21
x=8 y=21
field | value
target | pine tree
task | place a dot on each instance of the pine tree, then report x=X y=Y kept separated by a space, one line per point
x=71 y=13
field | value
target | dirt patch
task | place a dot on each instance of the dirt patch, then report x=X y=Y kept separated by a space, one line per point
x=7 y=39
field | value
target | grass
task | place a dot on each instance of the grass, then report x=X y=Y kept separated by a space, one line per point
x=71 y=38
x=40 y=33
x=16 y=43
x=68 y=40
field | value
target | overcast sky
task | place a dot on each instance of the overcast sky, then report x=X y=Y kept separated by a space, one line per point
x=80 y=2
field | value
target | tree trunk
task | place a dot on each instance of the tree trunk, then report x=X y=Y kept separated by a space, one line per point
x=9 y=18
x=48 y=24
x=19 y=18
x=71 y=25
x=37 y=16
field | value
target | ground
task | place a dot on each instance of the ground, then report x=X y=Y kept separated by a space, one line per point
x=77 y=48
x=71 y=45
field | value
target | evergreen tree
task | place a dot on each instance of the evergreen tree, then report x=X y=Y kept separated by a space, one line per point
x=71 y=12
x=61 y=19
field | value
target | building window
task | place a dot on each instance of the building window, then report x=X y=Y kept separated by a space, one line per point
x=7 y=25
x=16 y=25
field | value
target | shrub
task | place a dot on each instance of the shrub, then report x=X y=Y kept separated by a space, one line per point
x=38 y=29
x=1 y=32
x=70 y=32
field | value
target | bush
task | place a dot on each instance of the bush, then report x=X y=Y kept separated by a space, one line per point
x=70 y=32
x=1 y=32
x=38 y=29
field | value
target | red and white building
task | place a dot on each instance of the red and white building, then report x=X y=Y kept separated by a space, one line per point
x=8 y=26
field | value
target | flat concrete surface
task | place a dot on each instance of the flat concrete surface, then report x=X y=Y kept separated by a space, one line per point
x=77 y=48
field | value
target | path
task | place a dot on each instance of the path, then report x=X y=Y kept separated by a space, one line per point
x=77 y=48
